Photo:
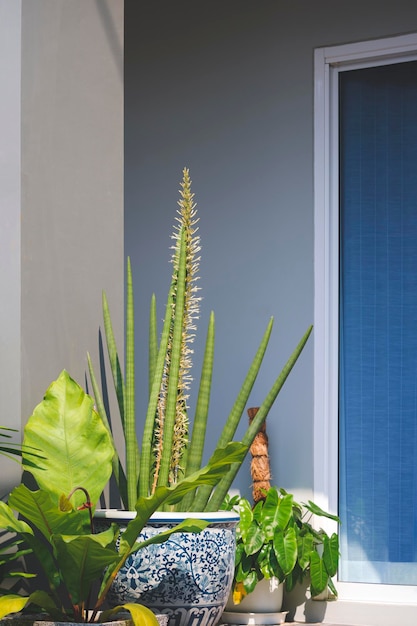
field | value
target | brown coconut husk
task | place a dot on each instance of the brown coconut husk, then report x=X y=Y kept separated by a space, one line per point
x=260 y=468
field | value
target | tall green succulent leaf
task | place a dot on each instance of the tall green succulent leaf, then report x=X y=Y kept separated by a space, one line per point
x=115 y=367
x=132 y=449
x=174 y=370
x=224 y=485
x=239 y=405
x=153 y=342
x=196 y=447
x=146 y=472
x=118 y=470
x=203 y=401
x=229 y=429
x=69 y=432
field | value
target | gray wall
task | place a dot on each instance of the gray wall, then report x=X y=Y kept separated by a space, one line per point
x=61 y=190
x=72 y=182
x=226 y=88
x=10 y=19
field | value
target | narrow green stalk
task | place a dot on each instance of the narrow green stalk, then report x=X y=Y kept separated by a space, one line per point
x=114 y=359
x=203 y=401
x=224 y=485
x=153 y=341
x=132 y=452
x=172 y=393
x=147 y=456
x=118 y=471
x=196 y=448
x=234 y=418
x=235 y=415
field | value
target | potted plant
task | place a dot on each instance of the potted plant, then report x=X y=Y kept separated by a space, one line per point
x=277 y=539
x=276 y=544
x=56 y=518
x=168 y=453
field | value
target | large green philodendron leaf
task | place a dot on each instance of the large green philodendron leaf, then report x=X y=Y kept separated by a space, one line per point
x=67 y=431
x=83 y=558
x=318 y=574
x=254 y=539
x=305 y=546
x=331 y=553
x=276 y=512
x=246 y=518
x=285 y=547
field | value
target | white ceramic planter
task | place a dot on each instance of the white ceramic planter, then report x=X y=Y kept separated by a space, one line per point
x=262 y=606
x=188 y=577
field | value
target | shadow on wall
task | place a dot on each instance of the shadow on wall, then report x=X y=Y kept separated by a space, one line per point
x=115 y=45
x=314 y=610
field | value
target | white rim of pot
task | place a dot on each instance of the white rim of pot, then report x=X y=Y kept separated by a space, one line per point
x=165 y=516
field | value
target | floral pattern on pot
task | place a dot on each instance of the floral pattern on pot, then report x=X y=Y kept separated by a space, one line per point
x=188 y=577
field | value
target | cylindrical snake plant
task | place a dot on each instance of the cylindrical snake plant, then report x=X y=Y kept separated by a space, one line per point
x=168 y=452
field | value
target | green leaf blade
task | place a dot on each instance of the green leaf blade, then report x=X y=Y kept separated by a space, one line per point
x=285 y=548
x=68 y=432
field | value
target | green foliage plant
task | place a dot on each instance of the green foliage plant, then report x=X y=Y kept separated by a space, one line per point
x=9 y=449
x=168 y=452
x=277 y=538
x=54 y=520
x=11 y=551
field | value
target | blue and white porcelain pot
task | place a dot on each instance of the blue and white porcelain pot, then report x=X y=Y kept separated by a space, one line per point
x=188 y=577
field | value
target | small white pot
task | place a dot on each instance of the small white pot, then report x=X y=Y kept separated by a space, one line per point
x=262 y=606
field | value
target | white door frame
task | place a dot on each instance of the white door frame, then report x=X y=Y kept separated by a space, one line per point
x=328 y=62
